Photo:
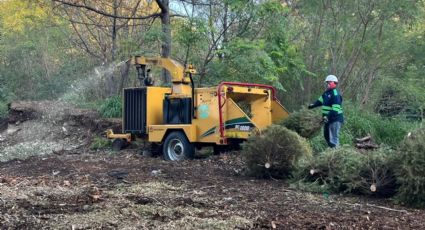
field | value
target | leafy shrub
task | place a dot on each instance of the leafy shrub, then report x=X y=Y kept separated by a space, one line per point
x=111 y=107
x=411 y=169
x=401 y=100
x=307 y=123
x=274 y=153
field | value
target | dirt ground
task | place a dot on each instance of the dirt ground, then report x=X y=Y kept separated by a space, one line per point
x=58 y=182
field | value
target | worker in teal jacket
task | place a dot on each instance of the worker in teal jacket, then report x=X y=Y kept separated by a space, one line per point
x=331 y=102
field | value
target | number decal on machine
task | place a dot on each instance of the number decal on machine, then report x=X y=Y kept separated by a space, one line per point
x=243 y=127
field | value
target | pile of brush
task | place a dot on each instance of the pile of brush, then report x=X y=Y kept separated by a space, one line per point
x=411 y=169
x=345 y=169
x=274 y=153
x=307 y=123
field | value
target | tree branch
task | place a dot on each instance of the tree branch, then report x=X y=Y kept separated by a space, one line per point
x=89 y=8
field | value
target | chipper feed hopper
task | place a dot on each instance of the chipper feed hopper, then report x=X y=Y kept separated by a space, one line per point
x=182 y=118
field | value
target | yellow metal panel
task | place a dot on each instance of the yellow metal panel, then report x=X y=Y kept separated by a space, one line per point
x=154 y=104
x=248 y=90
x=157 y=132
x=237 y=123
x=111 y=135
x=174 y=67
x=180 y=82
x=278 y=112
x=260 y=110
x=207 y=119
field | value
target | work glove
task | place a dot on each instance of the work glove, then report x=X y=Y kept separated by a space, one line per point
x=325 y=120
x=310 y=106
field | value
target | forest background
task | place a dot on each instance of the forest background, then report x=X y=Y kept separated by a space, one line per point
x=78 y=51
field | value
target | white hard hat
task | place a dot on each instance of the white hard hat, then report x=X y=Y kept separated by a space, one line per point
x=331 y=78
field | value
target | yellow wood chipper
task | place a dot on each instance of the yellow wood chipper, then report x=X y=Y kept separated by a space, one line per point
x=182 y=118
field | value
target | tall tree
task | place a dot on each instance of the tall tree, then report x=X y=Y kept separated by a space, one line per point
x=36 y=59
x=108 y=19
x=351 y=39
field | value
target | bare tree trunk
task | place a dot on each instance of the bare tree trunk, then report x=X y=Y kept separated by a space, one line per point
x=166 y=39
x=225 y=25
x=114 y=32
x=111 y=78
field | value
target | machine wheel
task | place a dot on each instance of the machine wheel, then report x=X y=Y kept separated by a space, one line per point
x=119 y=144
x=177 y=147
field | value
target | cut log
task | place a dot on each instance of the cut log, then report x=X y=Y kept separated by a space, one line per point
x=373 y=188
x=363 y=139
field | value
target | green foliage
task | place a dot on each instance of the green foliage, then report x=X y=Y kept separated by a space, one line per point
x=335 y=170
x=274 y=153
x=307 y=123
x=318 y=143
x=111 y=107
x=260 y=55
x=288 y=62
x=100 y=143
x=411 y=169
x=360 y=123
x=38 y=65
x=388 y=131
x=190 y=32
x=395 y=99
x=377 y=174
x=345 y=169
x=245 y=61
x=362 y=43
x=3 y=109
x=37 y=61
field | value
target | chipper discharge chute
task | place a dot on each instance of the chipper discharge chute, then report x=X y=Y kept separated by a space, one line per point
x=182 y=118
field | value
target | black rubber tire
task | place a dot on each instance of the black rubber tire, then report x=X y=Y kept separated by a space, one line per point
x=119 y=144
x=177 y=147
